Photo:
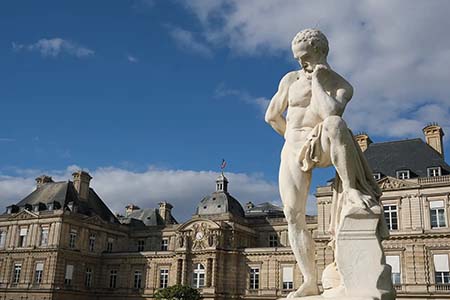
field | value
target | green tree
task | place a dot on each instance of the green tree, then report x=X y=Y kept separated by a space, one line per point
x=178 y=292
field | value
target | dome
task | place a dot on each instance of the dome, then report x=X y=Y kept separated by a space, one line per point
x=220 y=201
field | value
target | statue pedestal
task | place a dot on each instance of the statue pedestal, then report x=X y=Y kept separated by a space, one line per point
x=359 y=271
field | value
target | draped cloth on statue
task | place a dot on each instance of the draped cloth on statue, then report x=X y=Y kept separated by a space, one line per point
x=312 y=154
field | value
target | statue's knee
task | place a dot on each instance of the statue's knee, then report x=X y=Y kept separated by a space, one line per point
x=334 y=124
x=293 y=215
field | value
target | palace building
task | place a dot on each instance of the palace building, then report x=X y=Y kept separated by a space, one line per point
x=62 y=242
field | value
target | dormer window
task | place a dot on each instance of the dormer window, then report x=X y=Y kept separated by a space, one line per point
x=403 y=174
x=12 y=209
x=50 y=206
x=376 y=176
x=434 y=171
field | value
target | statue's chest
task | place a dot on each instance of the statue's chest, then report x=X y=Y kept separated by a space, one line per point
x=300 y=93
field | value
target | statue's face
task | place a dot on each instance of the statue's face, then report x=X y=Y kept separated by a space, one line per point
x=307 y=56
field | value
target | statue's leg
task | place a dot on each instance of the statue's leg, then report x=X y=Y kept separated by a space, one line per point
x=294 y=188
x=338 y=144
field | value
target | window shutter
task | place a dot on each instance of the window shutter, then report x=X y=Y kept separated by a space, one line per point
x=39 y=266
x=394 y=262
x=441 y=262
x=69 y=272
x=437 y=204
x=288 y=274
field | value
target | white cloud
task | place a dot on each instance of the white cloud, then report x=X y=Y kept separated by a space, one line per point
x=187 y=41
x=260 y=102
x=118 y=187
x=132 y=59
x=396 y=54
x=55 y=47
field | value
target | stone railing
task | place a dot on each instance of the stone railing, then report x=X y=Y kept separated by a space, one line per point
x=435 y=179
x=444 y=287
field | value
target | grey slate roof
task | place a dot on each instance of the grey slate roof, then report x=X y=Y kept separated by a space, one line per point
x=265 y=209
x=220 y=202
x=147 y=217
x=65 y=193
x=60 y=192
x=413 y=154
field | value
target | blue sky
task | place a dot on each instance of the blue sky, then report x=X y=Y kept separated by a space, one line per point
x=166 y=89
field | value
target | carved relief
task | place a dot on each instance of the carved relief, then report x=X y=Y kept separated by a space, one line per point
x=391 y=183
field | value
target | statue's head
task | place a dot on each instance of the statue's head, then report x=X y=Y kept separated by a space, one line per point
x=311 y=43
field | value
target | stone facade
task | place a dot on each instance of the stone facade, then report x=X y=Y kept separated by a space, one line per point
x=61 y=241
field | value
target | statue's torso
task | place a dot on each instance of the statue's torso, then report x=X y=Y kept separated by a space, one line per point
x=299 y=119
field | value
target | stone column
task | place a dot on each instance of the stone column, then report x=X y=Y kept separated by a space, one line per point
x=184 y=272
x=56 y=235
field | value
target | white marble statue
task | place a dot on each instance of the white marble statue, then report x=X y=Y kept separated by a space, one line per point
x=314 y=99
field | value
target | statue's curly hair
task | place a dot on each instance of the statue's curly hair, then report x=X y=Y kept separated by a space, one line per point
x=314 y=38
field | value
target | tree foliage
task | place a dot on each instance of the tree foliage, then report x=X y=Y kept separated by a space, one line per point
x=178 y=292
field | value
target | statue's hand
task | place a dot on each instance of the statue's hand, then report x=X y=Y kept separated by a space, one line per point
x=320 y=71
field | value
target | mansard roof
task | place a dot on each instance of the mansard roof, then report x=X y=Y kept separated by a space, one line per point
x=413 y=154
x=65 y=194
x=147 y=217
x=264 y=209
x=220 y=202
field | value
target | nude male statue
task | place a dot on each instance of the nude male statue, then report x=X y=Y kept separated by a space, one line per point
x=315 y=136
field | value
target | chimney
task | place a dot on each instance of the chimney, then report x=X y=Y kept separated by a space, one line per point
x=81 y=180
x=43 y=179
x=433 y=136
x=249 y=205
x=363 y=140
x=165 y=211
x=130 y=208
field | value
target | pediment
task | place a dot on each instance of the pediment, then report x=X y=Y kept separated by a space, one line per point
x=196 y=223
x=23 y=215
x=391 y=183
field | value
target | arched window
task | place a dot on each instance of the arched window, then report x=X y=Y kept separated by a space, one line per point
x=198 y=277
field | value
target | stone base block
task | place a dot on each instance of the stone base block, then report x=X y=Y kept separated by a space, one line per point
x=320 y=297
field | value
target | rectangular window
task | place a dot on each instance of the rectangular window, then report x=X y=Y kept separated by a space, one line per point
x=288 y=278
x=441 y=269
x=44 y=237
x=38 y=272
x=109 y=245
x=2 y=239
x=254 y=278
x=434 y=171
x=23 y=237
x=16 y=273
x=403 y=174
x=391 y=216
x=437 y=214
x=72 y=239
x=137 y=279
x=394 y=262
x=376 y=176
x=165 y=244
x=140 y=245
x=92 y=242
x=113 y=279
x=163 y=278
x=273 y=240
x=88 y=277
x=69 y=275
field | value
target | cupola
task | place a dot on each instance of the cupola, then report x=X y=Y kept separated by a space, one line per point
x=222 y=184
